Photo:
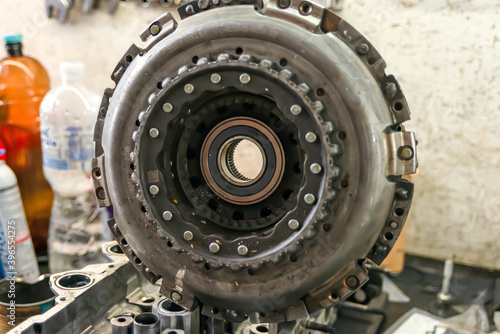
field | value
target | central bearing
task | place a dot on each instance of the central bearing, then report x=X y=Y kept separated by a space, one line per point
x=221 y=172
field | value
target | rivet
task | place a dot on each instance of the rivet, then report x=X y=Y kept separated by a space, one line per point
x=189 y=89
x=154 y=29
x=394 y=225
x=363 y=48
x=309 y=199
x=176 y=297
x=244 y=78
x=188 y=235
x=293 y=224
x=190 y=10
x=214 y=247
x=391 y=89
x=351 y=282
x=154 y=190
x=296 y=109
x=315 y=168
x=203 y=4
x=311 y=137
x=406 y=153
x=168 y=107
x=242 y=250
x=167 y=215
x=402 y=193
x=153 y=132
x=215 y=78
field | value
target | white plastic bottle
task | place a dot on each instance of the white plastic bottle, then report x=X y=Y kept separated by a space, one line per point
x=67 y=117
x=17 y=255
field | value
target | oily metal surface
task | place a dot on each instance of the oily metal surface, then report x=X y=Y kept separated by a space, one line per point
x=309 y=251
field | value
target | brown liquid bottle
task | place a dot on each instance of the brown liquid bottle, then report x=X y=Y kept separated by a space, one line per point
x=23 y=84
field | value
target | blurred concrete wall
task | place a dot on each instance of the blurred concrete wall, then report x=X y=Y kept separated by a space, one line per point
x=445 y=54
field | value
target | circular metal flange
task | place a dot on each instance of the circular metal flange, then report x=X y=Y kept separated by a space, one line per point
x=336 y=201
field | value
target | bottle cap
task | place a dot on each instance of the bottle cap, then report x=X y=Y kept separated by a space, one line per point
x=3 y=152
x=12 y=38
x=72 y=71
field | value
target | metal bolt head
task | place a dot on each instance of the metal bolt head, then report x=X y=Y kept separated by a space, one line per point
x=176 y=297
x=215 y=78
x=245 y=78
x=309 y=199
x=406 y=152
x=190 y=10
x=402 y=194
x=393 y=225
x=188 y=236
x=214 y=247
x=363 y=49
x=167 y=215
x=153 y=132
x=203 y=4
x=311 y=137
x=242 y=250
x=296 y=110
x=168 y=107
x=189 y=89
x=154 y=29
x=293 y=224
x=351 y=282
x=315 y=168
x=154 y=190
x=391 y=89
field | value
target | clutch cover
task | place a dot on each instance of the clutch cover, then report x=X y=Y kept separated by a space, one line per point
x=326 y=201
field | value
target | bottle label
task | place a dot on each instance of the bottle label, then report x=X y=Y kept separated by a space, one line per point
x=17 y=255
x=70 y=148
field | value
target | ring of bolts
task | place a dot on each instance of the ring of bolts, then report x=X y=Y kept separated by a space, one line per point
x=310 y=137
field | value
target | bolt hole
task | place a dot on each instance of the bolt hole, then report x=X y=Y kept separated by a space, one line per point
x=207 y=266
x=251 y=271
x=334 y=297
x=398 y=106
x=129 y=58
x=137 y=261
x=96 y=173
x=143 y=209
x=305 y=8
x=169 y=243
x=147 y=299
x=262 y=329
x=399 y=212
x=146 y=319
x=215 y=310
x=239 y=51
x=283 y=62
x=293 y=258
x=74 y=281
x=137 y=123
x=389 y=236
x=327 y=227
x=121 y=319
x=344 y=183
x=124 y=242
x=342 y=135
x=372 y=61
x=116 y=249
x=195 y=59
x=132 y=166
x=159 y=85
x=320 y=92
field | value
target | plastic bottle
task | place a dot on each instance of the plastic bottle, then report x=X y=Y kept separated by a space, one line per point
x=23 y=84
x=17 y=255
x=68 y=115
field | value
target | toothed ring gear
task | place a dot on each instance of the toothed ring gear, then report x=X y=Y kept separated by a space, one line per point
x=327 y=123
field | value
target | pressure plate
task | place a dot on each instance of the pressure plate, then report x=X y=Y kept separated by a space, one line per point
x=325 y=198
